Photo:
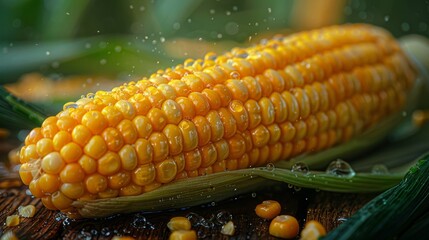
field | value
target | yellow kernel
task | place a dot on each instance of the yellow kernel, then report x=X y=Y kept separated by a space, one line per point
x=66 y=123
x=180 y=162
x=96 y=183
x=216 y=126
x=201 y=103
x=72 y=173
x=71 y=152
x=175 y=140
x=313 y=230
x=179 y=223
x=240 y=115
x=144 y=174
x=8 y=235
x=109 y=163
x=268 y=209
x=159 y=145
x=208 y=155
x=166 y=171
x=238 y=89
x=81 y=135
x=27 y=211
x=96 y=147
x=44 y=146
x=120 y=179
x=12 y=220
x=60 y=139
x=237 y=146
x=260 y=136
x=53 y=163
x=192 y=160
x=203 y=129
x=113 y=139
x=128 y=131
x=190 y=135
x=48 y=183
x=122 y=238
x=228 y=122
x=172 y=111
x=183 y=235
x=60 y=201
x=143 y=126
x=94 y=121
x=109 y=193
x=130 y=190
x=88 y=164
x=255 y=113
x=284 y=226
x=222 y=149
x=126 y=108
x=112 y=115
x=157 y=118
x=35 y=189
x=144 y=151
x=73 y=190
x=228 y=229
x=128 y=157
x=267 y=111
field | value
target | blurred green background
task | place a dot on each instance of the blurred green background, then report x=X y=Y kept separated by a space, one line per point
x=130 y=38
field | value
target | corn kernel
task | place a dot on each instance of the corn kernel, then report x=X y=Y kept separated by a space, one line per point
x=183 y=235
x=27 y=211
x=284 y=226
x=228 y=229
x=12 y=220
x=268 y=209
x=179 y=223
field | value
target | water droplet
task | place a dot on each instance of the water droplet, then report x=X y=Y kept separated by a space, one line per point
x=176 y=26
x=105 y=231
x=55 y=64
x=290 y=185
x=103 y=61
x=386 y=18
x=270 y=167
x=269 y=10
x=405 y=26
x=90 y=95
x=253 y=195
x=48 y=53
x=234 y=75
x=70 y=105
x=300 y=167
x=340 y=168
x=219 y=35
x=118 y=49
x=242 y=55
x=162 y=39
x=379 y=169
x=212 y=11
x=140 y=221
x=222 y=217
x=296 y=188
x=213 y=204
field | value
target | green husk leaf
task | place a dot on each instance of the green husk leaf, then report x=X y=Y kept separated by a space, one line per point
x=220 y=186
x=393 y=212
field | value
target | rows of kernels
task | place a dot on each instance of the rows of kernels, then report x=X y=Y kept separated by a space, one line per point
x=252 y=109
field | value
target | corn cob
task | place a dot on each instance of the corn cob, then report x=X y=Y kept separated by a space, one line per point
x=284 y=97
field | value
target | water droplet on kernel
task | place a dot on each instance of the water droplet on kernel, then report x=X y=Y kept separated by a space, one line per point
x=270 y=167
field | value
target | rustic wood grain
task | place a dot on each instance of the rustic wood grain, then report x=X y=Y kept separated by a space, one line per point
x=328 y=208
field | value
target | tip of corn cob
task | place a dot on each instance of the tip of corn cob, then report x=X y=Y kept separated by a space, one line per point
x=248 y=107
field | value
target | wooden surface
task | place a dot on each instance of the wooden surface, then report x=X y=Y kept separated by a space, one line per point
x=331 y=209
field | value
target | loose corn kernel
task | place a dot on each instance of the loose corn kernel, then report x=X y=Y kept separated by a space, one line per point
x=179 y=223
x=183 y=235
x=313 y=230
x=284 y=226
x=27 y=211
x=8 y=235
x=268 y=209
x=228 y=229
x=12 y=220
x=122 y=238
